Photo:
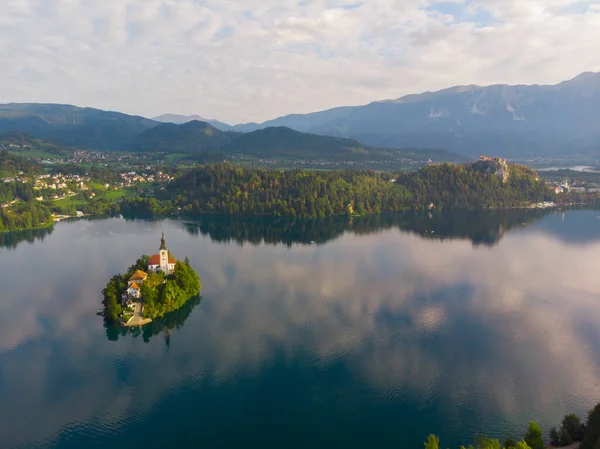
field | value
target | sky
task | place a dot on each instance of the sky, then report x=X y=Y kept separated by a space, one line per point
x=253 y=60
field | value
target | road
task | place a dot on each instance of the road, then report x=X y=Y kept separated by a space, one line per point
x=138 y=319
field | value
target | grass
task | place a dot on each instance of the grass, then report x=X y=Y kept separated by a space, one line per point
x=70 y=201
x=116 y=195
x=175 y=157
x=37 y=154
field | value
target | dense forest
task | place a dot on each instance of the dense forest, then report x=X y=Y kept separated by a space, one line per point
x=234 y=190
x=230 y=189
x=11 y=165
x=25 y=215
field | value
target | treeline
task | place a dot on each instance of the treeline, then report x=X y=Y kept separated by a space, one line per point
x=11 y=165
x=13 y=190
x=235 y=190
x=572 y=430
x=470 y=186
x=24 y=215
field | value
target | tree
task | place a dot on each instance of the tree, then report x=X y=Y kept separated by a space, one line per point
x=521 y=445
x=591 y=434
x=509 y=443
x=533 y=437
x=485 y=443
x=432 y=442
x=555 y=437
x=573 y=429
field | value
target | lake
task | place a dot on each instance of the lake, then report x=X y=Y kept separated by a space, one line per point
x=344 y=333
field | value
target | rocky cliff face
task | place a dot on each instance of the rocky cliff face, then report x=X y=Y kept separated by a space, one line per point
x=497 y=166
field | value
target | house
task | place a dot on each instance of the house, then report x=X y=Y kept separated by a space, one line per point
x=138 y=277
x=134 y=290
x=162 y=261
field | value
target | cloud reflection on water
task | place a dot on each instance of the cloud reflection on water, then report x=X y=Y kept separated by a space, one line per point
x=510 y=329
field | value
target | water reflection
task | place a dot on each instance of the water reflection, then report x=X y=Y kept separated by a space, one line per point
x=374 y=339
x=486 y=228
x=164 y=325
x=11 y=240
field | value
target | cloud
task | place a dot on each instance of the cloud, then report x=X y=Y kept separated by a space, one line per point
x=257 y=59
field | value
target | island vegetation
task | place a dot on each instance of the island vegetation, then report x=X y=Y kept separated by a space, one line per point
x=572 y=430
x=159 y=292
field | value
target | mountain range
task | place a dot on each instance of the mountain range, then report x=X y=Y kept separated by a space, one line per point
x=198 y=138
x=504 y=120
x=501 y=120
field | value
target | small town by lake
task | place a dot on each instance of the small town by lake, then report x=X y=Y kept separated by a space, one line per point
x=342 y=333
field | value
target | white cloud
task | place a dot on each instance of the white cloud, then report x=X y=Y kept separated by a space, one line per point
x=254 y=60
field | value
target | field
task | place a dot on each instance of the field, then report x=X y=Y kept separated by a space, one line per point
x=70 y=201
x=37 y=154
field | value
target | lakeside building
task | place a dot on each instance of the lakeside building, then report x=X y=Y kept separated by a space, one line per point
x=162 y=261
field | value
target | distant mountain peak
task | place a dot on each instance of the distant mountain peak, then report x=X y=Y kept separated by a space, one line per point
x=586 y=76
x=180 y=119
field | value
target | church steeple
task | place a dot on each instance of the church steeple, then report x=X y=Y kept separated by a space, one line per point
x=163 y=242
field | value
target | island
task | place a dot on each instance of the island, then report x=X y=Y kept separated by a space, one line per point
x=153 y=286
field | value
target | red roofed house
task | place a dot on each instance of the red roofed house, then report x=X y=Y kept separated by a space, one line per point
x=138 y=277
x=134 y=290
x=162 y=261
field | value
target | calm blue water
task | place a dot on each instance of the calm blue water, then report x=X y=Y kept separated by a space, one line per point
x=375 y=335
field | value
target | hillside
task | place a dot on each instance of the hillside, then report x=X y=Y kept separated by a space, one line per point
x=12 y=165
x=510 y=121
x=179 y=119
x=73 y=126
x=197 y=138
x=28 y=146
x=234 y=190
x=282 y=142
x=191 y=137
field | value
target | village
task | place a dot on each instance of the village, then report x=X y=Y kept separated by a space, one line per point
x=61 y=186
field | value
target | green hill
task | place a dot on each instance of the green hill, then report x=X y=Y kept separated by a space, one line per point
x=197 y=137
x=12 y=165
x=235 y=190
x=27 y=146
x=73 y=126
x=191 y=137
x=282 y=142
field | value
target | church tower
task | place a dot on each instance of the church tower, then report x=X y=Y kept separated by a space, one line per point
x=164 y=255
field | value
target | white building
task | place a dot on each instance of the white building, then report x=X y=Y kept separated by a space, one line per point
x=162 y=261
x=134 y=290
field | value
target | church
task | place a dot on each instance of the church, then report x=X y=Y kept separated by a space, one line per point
x=162 y=261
